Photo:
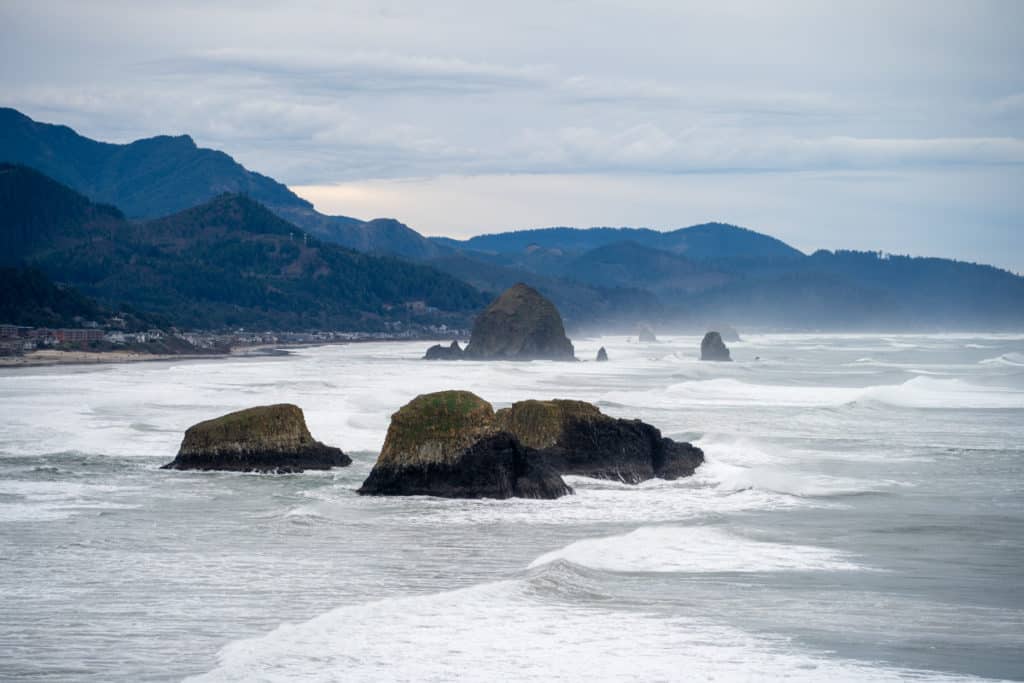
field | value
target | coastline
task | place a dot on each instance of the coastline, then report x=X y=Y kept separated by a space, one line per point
x=52 y=357
x=48 y=357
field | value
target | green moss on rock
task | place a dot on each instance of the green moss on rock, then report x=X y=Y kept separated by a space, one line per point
x=265 y=439
x=540 y=424
x=435 y=428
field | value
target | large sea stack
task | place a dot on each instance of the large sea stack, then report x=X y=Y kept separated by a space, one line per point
x=446 y=444
x=262 y=439
x=519 y=325
x=575 y=437
x=713 y=348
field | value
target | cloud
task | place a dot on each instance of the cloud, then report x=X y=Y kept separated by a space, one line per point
x=326 y=92
x=374 y=72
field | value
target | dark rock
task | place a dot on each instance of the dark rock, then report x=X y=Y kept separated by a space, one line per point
x=519 y=325
x=646 y=334
x=446 y=444
x=439 y=352
x=602 y=355
x=574 y=437
x=495 y=466
x=713 y=348
x=262 y=439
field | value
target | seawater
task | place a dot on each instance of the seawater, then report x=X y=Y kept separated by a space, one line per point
x=860 y=517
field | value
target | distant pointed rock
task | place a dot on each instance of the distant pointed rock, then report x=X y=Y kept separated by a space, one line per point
x=519 y=325
x=713 y=348
x=263 y=439
x=602 y=355
x=646 y=334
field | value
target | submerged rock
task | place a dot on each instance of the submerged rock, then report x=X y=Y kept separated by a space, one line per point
x=646 y=334
x=602 y=355
x=713 y=348
x=574 y=437
x=447 y=444
x=519 y=325
x=262 y=439
x=440 y=352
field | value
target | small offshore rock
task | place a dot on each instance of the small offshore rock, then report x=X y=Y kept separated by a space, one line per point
x=602 y=355
x=713 y=348
x=646 y=334
x=440 y=352
x=273 y=439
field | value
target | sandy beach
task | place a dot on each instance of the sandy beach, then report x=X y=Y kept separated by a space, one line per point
x=56 y=357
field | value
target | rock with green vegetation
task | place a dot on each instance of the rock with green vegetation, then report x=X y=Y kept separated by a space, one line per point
x=519 y=325
x=271 y=439
x=574 y=437
x=713 y=348
x=447 y=444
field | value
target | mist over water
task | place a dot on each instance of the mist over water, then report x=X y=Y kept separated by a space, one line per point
x=860 y=517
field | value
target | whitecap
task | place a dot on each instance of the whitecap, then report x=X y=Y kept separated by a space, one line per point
x=694 y=549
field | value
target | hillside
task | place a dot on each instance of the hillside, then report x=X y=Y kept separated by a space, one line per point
x=699 y=242
x=162 y=175
x=229 y=262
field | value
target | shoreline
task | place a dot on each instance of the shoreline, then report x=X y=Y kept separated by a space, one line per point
x=52 y=357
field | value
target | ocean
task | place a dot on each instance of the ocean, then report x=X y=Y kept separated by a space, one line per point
x=859 y=517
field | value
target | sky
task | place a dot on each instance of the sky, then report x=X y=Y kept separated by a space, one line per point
x=892 y=126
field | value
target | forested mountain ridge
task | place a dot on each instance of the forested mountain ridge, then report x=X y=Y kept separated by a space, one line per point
x=226 y=263
x=601 y=278
x=162 y=175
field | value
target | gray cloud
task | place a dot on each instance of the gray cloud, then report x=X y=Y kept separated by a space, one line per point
x=322 y=92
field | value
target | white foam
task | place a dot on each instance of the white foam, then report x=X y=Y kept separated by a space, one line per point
x=919 y=392
x=693 y=549
x=46 y=501
x=501 y=632
x=1012 y=359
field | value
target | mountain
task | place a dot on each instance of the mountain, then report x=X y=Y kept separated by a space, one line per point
x=28 y=297
x=166 y=174
x=708 y=241
x=717 y=272
x=226 y=263
x=600 y=278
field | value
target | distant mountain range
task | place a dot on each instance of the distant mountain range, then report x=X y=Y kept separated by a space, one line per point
x=228 y=262
x=165 y=174
x=601 y=278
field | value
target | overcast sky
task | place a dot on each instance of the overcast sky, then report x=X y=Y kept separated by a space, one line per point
x=896 y=126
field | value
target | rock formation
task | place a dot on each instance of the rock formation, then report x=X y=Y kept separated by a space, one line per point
x=519 y=325
x=453 y=444
x=262 y=439
x=602 y=355
x=713 y=348
x=574 y=437
x=646 y=334
x=447 y=444
x=440 y=352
